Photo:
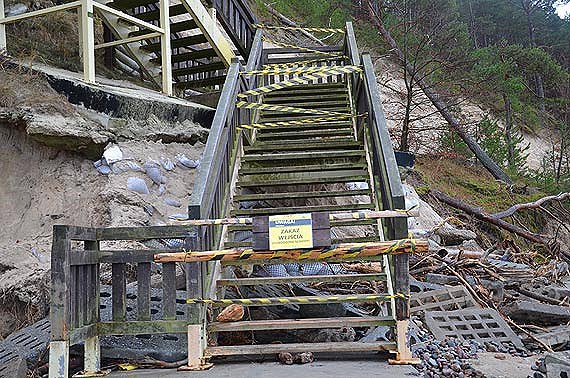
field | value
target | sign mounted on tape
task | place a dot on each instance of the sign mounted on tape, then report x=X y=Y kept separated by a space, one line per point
x=292 y=231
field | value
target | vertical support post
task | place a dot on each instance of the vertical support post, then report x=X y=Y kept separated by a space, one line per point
x=88 y=40
x=2 y=28
x=196 y=329
x=92 y=357
x=109 y=57
x=165 y=50
x=60 y=303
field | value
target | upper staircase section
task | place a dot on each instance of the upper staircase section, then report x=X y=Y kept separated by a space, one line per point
x=200 y=50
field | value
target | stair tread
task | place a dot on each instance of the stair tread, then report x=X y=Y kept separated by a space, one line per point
x=178 y=42
x=192 y=55
x=175 y=27
x=308 y=323
x=348 y=346
x=306 y=134
x=174 y=10
x=308 y=299
x=303 y=145
x=304 y=155
x=301 y=168
x=302 y=209
x=201 y=83
x=199 y=68
x=293 y=195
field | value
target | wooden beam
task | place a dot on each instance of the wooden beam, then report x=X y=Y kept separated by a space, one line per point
x=210 y=30
x=165 y=50
x=41 y=12
x=127 y=40
x=2 y=27
x=124 y=16
x=88 y=40
x=255 y=281
x=353 y=251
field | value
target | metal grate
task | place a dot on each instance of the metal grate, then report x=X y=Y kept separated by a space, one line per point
x=449 y=298
x=480 y=324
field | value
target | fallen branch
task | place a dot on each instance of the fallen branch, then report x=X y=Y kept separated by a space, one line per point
x=530 y=205
x=480 y=214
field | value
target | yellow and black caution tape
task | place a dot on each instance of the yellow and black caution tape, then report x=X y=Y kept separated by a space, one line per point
x=305 y=70
x=297 y=122
x=299 y=300
x=337 y=70
x=309 y=29
x=281 y=108
x=302 y=62
x=303 y=49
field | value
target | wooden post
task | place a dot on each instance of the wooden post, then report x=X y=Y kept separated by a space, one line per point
x=92 y=356
x=165 y=50
x=2 y=28
x=88 y=40
x=60 y=303
x=196 y=330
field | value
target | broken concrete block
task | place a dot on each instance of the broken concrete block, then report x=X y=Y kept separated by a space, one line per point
x=536 y=312
x=15 y=368
x=556 y=336
x=480 y=324
x=557 y=364
x=441 y=279
x=450 y=298
x=558 y=292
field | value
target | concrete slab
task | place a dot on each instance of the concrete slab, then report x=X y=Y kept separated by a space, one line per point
x=503 y=365
x=317 y=369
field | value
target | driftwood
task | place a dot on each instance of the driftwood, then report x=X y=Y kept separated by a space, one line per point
x=530 y=205
x=481 y=214
x=439 y=103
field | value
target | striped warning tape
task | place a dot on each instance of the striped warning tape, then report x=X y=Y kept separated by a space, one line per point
x=298 y=300
x=304 y=49
x=338 y=70
x=339 y=251
x=302 y=62
x=309 y=29
x=304 y=70
x=296 y=122
x=280 y=108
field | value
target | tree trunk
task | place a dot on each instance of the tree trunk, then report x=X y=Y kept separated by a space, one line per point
x=509 y=131
x=441 y=106
x=404 y=145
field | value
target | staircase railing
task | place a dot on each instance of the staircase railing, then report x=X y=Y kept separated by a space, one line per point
x=388 y=187
x=238 y=20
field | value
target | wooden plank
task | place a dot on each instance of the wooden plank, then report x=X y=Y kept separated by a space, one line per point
x=189 y=56
x=41 y=12
x=308 y=323
x=313 y=145
x=93 y=284
x=304 y=155
x=140 y=233
x=324 y=168
x=169 y=291
x=78 y=335
x=177 y=43
x=354 y=250
x=143 y=290
x=199 y=68
x=254 y=281
x=210 y=29
x=301 y=209
x=262 y=349
x=153 y=15
x=263 y=135
x=294 y=195
x=119 y=291
x=139 y=21
x=202 y=83
x=141 y=327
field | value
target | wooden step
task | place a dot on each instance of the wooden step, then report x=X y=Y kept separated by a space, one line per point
x=304 y=145
x=303 y=195
x=254 y=281
x=317 y=103
x=307 y=134
x=305 y=155
x=178 y=42
x=321 y=126
x=189 y=56
x=199 y=68
x=276 y=113
x=361 y=174
x=249 y=244
x=301 y=168
x=174 y=10
x=324 y=97
x=129 y=4
x=302 y=209
x=312 y=88
x=341 y=322
x=201 y=83
x=175 y=27
x=259 y=349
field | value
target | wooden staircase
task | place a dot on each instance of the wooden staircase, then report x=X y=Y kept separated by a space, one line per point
x=200 y=51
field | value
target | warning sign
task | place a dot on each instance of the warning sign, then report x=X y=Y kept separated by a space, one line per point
x=293 y=231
